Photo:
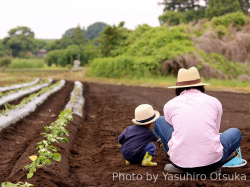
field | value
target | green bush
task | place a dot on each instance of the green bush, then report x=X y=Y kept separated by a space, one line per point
x=5 y=61
x=125 y=66
x=52 y=57
x=237 y=19
x=219 y=62
x=174 y=18
x=68 y=55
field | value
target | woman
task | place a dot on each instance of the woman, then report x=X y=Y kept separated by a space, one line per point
x=190 y=127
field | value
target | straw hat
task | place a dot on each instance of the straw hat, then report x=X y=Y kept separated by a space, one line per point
x=145 y=114
x=188 y=78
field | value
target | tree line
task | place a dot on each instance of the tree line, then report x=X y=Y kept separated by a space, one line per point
x=177 y=11
x=21 y=41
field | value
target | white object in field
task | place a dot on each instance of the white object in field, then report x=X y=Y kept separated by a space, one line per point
x=79 y=100
x=14 y=115
x=17 y=86
x=76 y=64
x=21 y=93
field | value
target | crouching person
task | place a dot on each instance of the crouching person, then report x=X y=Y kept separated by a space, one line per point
x=135 y=139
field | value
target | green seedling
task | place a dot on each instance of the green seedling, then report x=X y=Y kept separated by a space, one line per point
x=47 y=151
x=19 y=184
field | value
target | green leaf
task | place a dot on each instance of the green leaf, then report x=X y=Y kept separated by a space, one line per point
x=53 y=148
x=47 y=162
x=29 y=175
x=56 y=157
x=65 y=140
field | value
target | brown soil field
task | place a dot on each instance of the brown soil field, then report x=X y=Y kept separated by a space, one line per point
x=92 y=157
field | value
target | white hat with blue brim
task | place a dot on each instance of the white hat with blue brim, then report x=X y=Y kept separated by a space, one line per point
x=145 y=114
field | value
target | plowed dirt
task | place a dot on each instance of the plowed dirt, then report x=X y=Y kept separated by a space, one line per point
x=92 y=157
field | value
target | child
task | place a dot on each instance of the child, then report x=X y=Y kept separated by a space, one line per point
x=134 y=139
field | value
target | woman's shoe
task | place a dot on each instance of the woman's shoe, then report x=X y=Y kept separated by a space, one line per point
x=147 y=160
x=170 y=168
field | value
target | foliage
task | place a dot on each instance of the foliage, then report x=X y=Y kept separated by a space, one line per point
x=40 y=44
x=52 y=57
x=218 y=8
x=69 y=32
x=194 y=15
x=3 y=49
x=19 y=63
x=181 y=5
x=60 y=44
x=219 y=62
x=46 y=149
x=143 y=52
x=78 y=36
x=111 y=38
x=122 y=66
x=94 y=30
x=245 y=5
x=174 y=18
x=20 y=41
x=68 y=55
x=19 y=184
x=236 y=19
x=5 y=61
x=91 y=32
x=91 y=51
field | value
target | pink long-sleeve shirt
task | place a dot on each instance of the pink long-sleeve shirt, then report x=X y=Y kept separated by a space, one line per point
x=196 y=119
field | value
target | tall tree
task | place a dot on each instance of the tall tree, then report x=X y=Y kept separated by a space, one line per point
x=181 y=5
x=245 y=6
x=111 y=38
x=78 y=36
x=94 y=30
x=219 y=8
x=20 y=41
x=69 y=32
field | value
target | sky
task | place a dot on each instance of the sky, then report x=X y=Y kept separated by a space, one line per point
x=49 y=19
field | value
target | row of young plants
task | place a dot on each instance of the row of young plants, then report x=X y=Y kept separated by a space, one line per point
x=17 y=86
x=13 y=113
x=22 y=88
x=9 y=107
x=76 y=99
x=55 y=132
x=16 y=94
x=19 y=184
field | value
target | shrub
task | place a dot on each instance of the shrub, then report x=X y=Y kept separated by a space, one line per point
x=124 y=66
x=237 y=19
x=172 y=17
x=52 y=57
x=5 y=61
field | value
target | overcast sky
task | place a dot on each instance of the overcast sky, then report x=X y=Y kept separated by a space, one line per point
x=49 y=19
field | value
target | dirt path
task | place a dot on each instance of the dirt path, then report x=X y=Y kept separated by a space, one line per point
x=17 y=137
x=109 y=110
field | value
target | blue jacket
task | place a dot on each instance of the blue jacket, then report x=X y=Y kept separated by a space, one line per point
x=134 y=139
